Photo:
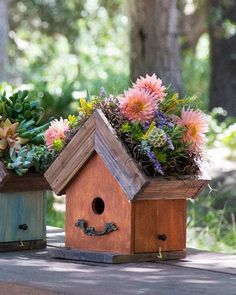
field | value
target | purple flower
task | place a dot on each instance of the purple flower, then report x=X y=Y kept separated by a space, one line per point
x=157 y=166
x=102 y=92
x=146 y=126
x=170 y=143
x=145 y=148
x=162 y=120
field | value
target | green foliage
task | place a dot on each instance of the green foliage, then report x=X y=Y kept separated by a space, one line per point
x=37 y=157
x=18 y=107
x=211 y=219
x=54 y=217
x=34 y=134
x=135 y=130
x=196 y=71
x=228 y=138
x=172 y=104
x=222 y=133
x=59 y=62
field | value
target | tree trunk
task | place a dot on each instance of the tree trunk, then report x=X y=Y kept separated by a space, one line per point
x=154 y=46
x=222 y=22
x=4 y=29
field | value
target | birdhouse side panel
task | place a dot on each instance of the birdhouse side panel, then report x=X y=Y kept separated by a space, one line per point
x=160 y=225
x=96 y=198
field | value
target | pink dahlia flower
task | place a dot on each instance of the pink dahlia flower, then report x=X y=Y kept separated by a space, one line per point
x=153 y=85
x=196 y=125
x=138 y=105
x=56 y=130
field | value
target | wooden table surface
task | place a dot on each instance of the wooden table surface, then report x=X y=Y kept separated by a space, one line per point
x=34 y=273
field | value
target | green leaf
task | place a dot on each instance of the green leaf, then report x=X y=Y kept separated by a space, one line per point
x=125 y=128
x=18 y=107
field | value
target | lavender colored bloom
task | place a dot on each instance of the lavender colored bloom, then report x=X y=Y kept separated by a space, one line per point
x=157 y=166
x=170 y=143
x=146 y=126
x=102 y=92
x=162 y=120
x=145 y=148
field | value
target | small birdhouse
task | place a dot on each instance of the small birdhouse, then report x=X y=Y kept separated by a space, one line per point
x=22 y=211
x=114 y=212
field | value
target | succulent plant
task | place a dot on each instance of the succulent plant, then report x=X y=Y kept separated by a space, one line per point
x=34 y=134
x=157 y=137
x=27 y=157
x=18 y=107
x=21 y=160
x=9 y=136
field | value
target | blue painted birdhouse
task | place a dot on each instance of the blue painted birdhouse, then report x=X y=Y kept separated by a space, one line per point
x=22 y=211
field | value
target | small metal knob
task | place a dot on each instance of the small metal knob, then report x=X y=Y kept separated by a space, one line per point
x=162 y=237
x=23 y=226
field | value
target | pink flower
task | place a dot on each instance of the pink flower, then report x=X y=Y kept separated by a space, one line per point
x=153 y=85
x=138 y=105
x=56 y=130
x=196 y=125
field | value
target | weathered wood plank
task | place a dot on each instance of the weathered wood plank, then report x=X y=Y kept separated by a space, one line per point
x=172 y=188
x=96 y=135
x=103 y=257
x=26 y=245
x=10 y=182
x=115 y=155
x=72 y=158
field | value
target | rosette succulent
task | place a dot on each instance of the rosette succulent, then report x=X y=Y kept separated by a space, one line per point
x=9 y=136
x=157 y=137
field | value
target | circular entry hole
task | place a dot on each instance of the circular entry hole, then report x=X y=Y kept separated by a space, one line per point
x=98 y=205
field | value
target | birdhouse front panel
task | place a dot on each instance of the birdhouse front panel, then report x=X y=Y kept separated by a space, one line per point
x=96 y=200
x=22 y=218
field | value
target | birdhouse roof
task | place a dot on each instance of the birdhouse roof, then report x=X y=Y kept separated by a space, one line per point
x=98 y=136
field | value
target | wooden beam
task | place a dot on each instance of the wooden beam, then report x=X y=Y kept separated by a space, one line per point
x=117 y=159
x=172 y=188
x=10 y=182
x=72 y=158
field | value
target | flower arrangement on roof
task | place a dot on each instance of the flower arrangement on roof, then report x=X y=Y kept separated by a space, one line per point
x=163 y=133
x=22 y=145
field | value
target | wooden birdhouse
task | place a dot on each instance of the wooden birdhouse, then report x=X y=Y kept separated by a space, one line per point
x=114 y=212
x=22 y=211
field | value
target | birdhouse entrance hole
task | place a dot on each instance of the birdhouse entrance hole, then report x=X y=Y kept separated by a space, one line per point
x=98 y=205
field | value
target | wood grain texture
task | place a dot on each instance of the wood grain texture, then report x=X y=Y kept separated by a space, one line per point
x=10 y=182
x=117 y=159
x=157 y=217
x=27 y=245
x=73 y=254
x=22 y=208
x=72 y=158
x=96 y=135
x=172 y=188
x=95 y=180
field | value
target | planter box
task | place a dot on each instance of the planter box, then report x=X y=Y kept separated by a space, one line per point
x=115 y=213
x=22 y=211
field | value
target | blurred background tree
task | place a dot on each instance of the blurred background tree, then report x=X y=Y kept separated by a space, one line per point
x=222 y=33
x=63 y=50
x=154 y=46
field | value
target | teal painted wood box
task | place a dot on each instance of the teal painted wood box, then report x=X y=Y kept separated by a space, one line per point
x=22 y=211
